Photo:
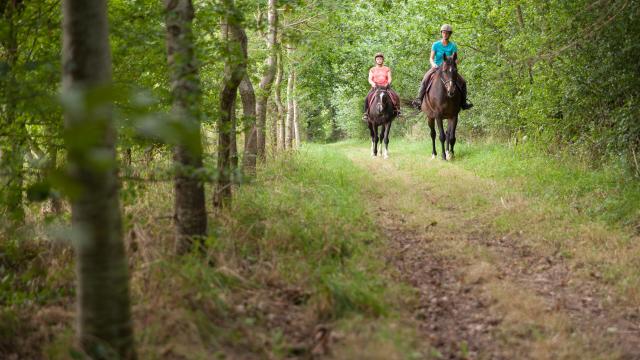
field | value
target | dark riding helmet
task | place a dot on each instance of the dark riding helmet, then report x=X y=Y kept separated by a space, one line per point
x=379 y=55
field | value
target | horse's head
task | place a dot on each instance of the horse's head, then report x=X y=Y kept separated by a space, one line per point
x=382 y=98
x=449 y=74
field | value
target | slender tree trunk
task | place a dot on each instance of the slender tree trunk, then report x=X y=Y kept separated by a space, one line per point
x=189 y=204
x=281 y=111
x=296 y=123
x=249 y=122
x=273 y=127
x=289 y=128
x=267 y=78
x=233 y=146
x=520 y=19
x=104 y=320
x=234 y=70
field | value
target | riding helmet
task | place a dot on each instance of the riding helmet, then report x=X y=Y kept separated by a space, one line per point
x=378 y=55
x=446 y=27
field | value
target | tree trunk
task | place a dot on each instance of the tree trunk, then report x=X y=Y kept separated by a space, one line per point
x=189 y=204
x=233 y=147
x=281 y=112
x=520 y=18
x=267 y=78
x=104 y=326
x=296 y=123
x=289 y=128
x=234 y=71
x=272 y=111
x=249 y=123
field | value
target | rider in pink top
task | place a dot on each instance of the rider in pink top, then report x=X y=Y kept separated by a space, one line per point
x=380 y=76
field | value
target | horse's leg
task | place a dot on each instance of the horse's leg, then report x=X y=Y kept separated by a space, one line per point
x=373 y=138
x=377 y=136
x=451 y=136
x=387 y=129
x=432 y=127
x=442 y=136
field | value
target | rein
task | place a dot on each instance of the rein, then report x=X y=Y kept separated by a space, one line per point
x=452 y=80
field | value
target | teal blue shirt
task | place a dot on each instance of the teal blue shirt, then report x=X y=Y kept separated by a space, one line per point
x=440 y=50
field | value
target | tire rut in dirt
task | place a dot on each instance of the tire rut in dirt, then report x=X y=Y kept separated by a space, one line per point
x=453 y=316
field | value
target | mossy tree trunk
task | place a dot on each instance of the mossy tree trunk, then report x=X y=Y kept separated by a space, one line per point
x=234 y=71
x=189 y=204
x=104 y=320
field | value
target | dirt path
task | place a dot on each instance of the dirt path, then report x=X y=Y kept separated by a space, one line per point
x=486 y=292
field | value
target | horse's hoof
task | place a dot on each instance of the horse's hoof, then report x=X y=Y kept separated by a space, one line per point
x=385 y=156
x=449 y=155
x=373 y=156
x=433 y=156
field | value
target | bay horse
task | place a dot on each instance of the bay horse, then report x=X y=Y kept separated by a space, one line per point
x=380 y=113
x=443 y=100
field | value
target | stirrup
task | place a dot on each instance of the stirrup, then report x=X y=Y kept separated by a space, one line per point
x=416 y=103
x=466 y=105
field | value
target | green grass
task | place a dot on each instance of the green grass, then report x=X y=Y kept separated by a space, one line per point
x=607 y=193
x=300 y=227
x=306 y=217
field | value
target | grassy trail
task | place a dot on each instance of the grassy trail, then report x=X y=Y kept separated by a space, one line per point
x=498 y=273
x=329 y=253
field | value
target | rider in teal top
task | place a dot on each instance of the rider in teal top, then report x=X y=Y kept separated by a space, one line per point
x=438 y=49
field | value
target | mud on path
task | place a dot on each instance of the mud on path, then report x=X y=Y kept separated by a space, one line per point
x=484 y=293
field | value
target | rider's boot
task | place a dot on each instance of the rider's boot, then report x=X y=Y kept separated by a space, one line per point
x=365 y=117
x=417 y=103
x=466 y=105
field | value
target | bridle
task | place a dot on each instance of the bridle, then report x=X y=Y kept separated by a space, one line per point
x=444 y=83
x=382 y=90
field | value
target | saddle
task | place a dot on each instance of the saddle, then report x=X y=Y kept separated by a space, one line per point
x=395 y=98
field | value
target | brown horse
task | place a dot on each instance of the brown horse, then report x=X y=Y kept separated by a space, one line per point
x=380 y=113
x=443 y=100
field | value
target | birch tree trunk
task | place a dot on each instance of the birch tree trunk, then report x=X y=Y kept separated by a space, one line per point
x=267 y=78
x=289 y=128
x=189 y=203
x=249 y=122
x=234 y=71
x=104 y=319
x=281 y=112
x=296 y=126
